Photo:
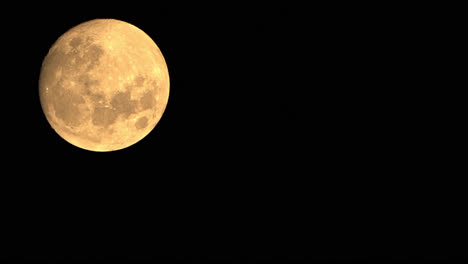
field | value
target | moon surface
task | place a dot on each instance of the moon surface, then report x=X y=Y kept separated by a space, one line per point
x=104 y=85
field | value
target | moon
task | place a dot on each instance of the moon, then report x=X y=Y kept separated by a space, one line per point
x=104 y=85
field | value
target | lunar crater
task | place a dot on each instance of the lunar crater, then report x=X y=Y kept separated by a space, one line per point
x=139 y=81
x=141 y=123
x=87 y=81
x=147 y=100
x=75 y=42
x=104 y=116
x=123 y=104
x=93 y=55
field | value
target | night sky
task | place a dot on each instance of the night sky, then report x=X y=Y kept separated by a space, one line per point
x=272 y=142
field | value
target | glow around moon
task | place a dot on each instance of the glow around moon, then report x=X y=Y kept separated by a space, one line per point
x=104 y=85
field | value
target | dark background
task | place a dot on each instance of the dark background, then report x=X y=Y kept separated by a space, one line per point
x=288 y=131
x=213 y=173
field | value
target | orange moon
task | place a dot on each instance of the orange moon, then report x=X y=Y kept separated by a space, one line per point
x=104 y=85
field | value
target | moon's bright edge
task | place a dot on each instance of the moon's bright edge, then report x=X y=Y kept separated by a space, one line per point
x=104 y=85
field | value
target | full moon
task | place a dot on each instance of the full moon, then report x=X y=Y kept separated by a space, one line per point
x=104 y=85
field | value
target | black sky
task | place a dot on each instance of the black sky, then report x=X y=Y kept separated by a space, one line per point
x=223 y=146
x=283 y=134
x=229 y=68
